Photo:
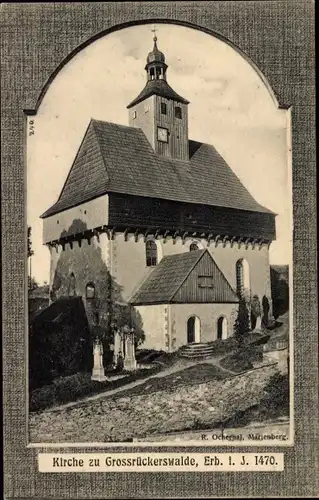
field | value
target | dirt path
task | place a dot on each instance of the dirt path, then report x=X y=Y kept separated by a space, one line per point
x=177 y=367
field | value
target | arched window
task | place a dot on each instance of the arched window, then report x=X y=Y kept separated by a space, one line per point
x=163 y=108
x=222 y=328
x=178 y=112
x=151 y=253
x=152 y=73
x=193 y=247
x=90 y=291
x=72 y=285
x=193 y=329
x=242 y=278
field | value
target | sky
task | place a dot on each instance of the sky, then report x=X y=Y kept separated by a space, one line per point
x=230 y=107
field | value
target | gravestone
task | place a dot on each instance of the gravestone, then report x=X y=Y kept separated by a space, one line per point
x=129 y=359
x=98 y=368
x=118 y=347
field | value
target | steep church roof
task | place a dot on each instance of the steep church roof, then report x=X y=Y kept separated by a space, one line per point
x=116 y=158
x=167 y=278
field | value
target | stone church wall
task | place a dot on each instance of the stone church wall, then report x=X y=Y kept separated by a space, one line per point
x=153 y=318
x=129 y=262
x=87 y=263
x=208 y=315
x=123 y=264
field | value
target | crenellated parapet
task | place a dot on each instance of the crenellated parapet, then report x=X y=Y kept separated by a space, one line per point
x=213 y=240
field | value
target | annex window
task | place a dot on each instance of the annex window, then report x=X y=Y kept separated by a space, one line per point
x=178 y=112
x=163 y=108
x=151 y=253
x=90 y=291
x=222 y=328
x=72 y=285
x=193 y=247
x=134 y=115
x=205 y=282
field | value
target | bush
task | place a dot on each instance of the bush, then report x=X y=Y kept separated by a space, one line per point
x=242 y=321
x=243 y=359
x=147 y=355
x=277 y=394
x=75 y=387
x=59 y=342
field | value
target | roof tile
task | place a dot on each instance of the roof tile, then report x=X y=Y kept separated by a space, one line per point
x=169 y=275
x=116 y=158
x=157 y=87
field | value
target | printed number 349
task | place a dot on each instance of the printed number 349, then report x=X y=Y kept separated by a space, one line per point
x=31 y=127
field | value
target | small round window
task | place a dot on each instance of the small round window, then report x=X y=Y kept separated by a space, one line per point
x=193 y=247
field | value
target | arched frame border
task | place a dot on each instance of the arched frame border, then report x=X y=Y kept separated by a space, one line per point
x=118 y=27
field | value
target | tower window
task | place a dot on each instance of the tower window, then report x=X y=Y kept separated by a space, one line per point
x=242 y=278
x=90 y=291
x=134 y=115
x=163 y=108
x=152 y=73
x=178 y=112
x=193 y=247
x=158 y=73
x=151 y=253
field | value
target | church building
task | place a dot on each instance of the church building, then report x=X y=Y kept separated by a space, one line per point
x=151 y=220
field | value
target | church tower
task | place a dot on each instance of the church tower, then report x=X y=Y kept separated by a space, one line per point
x=160 y=112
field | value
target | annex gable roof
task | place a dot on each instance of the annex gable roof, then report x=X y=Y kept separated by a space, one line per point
x=116 y=158
x=162 y=285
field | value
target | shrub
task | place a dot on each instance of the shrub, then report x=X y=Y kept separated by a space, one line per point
x=242 y=321
x=277 y=393
x=243 y=359
x=59 y=342
x=77 y=386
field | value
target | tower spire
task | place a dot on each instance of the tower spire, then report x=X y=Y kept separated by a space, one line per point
x=154 y=38
x=154 y=31
x=155 y=63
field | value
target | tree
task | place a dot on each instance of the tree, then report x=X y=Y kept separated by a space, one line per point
x=32 y=283
x=30 y=251
x=242 y=321
x=256 y=312
x=266 y=307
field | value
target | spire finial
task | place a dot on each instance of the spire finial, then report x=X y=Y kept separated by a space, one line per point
x=154 y=31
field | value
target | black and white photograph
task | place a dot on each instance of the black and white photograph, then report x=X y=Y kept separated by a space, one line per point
x=159 y=246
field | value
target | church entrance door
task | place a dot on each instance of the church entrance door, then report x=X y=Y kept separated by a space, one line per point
x=193 y=330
